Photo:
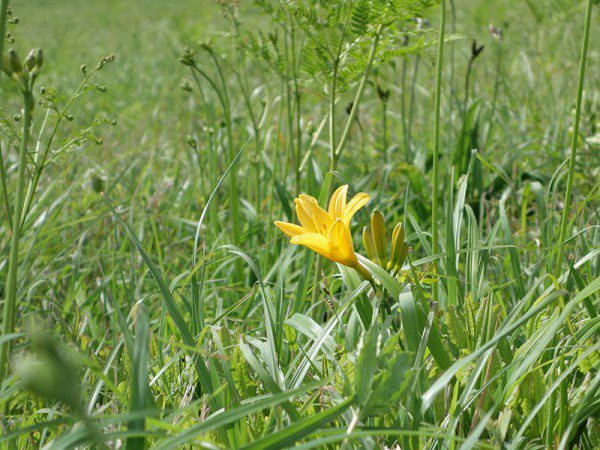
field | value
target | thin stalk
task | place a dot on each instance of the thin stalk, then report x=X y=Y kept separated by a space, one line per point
x=494 y=97
x=403 y=109
x=40 y=162
x=5 y=199
x=256 y=131
x=461 y=161
x=332 y=100
x=327 y=188
x=10 y=302
x=297 y=106
x=3 y=17
x=332 y=165
x=411 y=106
x=359 y=94
x=582 y=62
x=275 y=158
x=384 y=139
x=452 y=60
x=452 y=75
x=290 y=117
x=436 y=148
x=233 y=189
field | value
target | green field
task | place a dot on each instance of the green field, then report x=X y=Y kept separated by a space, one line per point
x=153 y=155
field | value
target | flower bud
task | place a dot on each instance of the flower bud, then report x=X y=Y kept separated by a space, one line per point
x=384 y=94
x=476 y=50
x=14 y=60
x=379 y=236
x=369 y=243
x=39 y=58
x=399 y=248
x=6 y=66
x=30 y=60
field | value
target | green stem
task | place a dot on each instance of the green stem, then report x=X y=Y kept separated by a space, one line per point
x=8 y=312
x=256 y=157
x=582 y=62
x=233 y=189
x=290 y=114
x=403 y=111
x=359 y=94
x=384 y=140
x=461 y=160
x=3 y=17
x=411 y=107
x=5 y=198
x=327 y=188
x=494 y=98
x=332 y=101
x=298 y=153
x=41 y=161
x=436 y=147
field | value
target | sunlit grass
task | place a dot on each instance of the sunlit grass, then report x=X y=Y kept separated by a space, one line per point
x=155 y=303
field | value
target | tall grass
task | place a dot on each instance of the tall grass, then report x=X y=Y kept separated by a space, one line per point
x=156 y=305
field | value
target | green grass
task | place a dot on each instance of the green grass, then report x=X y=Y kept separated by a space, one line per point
x=148 y=316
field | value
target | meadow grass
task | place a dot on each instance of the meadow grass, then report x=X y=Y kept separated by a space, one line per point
x=149 y=300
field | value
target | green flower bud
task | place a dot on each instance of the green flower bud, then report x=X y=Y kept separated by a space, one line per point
x=30 y=60
x=399 y=248
x=39 y=58
x=14 y=60
x=369 y=243
x=379 y=236
x=6 y=66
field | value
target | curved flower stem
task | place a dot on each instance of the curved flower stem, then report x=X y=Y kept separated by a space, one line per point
x=582 y=62
x=436 y=147
x=8 y=312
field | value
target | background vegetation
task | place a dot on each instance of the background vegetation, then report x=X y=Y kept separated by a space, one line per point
x=169 y=312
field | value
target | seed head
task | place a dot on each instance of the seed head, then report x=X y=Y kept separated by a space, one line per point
x=476 y=50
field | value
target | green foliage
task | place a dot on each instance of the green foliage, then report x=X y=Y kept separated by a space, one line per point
x=175 y=314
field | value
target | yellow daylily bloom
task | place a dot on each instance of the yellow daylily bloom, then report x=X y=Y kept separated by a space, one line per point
x=327 y=232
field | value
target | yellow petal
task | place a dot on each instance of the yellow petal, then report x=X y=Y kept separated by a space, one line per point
x=290 y=229
x=340 y=242
x=305 y=215
x=338 y=202
x=316 y=218
x=357 y=202
x=316 y=242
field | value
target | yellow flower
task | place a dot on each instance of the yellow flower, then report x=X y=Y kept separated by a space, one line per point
x=327 y=232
